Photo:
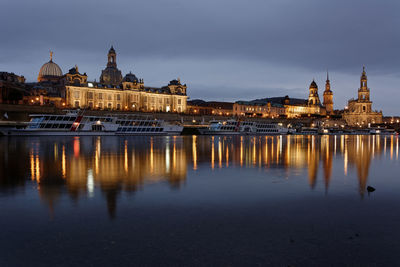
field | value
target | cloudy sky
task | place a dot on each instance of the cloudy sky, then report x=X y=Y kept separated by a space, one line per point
x=222 y=49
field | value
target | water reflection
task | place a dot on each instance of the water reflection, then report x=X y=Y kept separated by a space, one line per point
x=84 y=166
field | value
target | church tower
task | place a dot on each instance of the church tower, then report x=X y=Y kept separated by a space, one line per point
x=359 y=111
x=112 y=58
x=313 y=98
x=363 y=91
x=111 y=75
x=328 y=96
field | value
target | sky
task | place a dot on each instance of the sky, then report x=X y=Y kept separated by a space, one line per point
x=224 y=50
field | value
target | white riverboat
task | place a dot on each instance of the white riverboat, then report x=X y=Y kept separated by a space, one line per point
x=382 y=131
x=262 y=128
x=228 y=127
x=234 y=127
x=73 y=124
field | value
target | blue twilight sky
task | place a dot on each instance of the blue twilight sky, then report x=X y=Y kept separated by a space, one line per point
x=222 y=49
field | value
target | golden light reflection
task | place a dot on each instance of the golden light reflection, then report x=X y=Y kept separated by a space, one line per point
x=254 y=151
x=151 y=156
x=63 y=163
x=194 y=151
x=37 y=169
x=241 y=151
x=97 y=154
x=32 y=165
x=266 y=151
x=219 y=153
x=126 y=155
x=130 y=169
x=212 y=152
x=174 y=154
x=55 y=151
x=227 y=156
x=391 y=146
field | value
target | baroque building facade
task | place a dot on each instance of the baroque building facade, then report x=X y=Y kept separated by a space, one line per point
x=283 y=106
x=359 y=111
x=113 y=92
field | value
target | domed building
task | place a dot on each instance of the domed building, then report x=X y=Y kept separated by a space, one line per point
x=130 y=77
x=115 y=92
x=50 y=71
x=130 y=81
x=111 y=75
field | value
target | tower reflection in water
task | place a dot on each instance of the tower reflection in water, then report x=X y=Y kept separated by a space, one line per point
x=82 y=165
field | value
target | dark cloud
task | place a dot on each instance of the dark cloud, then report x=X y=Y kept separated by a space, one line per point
x=306 y=37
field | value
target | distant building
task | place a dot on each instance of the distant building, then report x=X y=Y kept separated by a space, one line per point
x=359 y=111
x=259 y=108
x=200 y=107
x=12 y=88
x=283 y=106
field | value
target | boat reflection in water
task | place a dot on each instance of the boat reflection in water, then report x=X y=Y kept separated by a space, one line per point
x=79 y=166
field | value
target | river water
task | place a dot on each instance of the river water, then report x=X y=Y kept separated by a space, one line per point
x=200 y=200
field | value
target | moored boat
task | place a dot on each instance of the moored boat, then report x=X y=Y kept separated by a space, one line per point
x=228 y=127
x=262 y=128
x=74 y=124
x=234 y=127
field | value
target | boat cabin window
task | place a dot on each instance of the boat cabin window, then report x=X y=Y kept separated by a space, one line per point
x=97 y=127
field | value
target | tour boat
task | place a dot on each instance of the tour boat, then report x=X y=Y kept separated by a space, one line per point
x=262 y=128
x=73 y=124
x=382 y=131
x=228 y=127
x=234 y=127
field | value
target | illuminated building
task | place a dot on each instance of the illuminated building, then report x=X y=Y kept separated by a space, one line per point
x=113 y=92
x=129 y=93
x=283 y=106
x=328 y=96
x=259 y=108
x=111 y=75
x=50 y=72
x=200 y=107
x=359 y=111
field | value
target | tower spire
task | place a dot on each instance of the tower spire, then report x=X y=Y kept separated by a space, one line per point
x=51 y=55
x=327 y=75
